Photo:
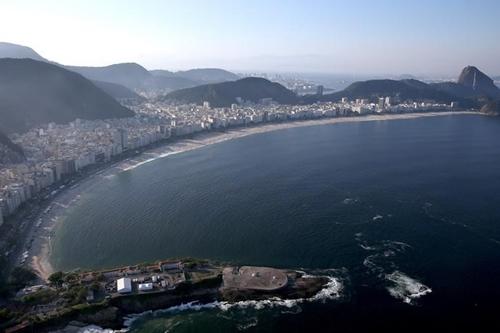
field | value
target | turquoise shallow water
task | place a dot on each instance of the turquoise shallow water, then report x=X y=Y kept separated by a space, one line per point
x=405 y=212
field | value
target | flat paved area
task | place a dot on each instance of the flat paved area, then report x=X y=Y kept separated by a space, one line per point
x=254 y=278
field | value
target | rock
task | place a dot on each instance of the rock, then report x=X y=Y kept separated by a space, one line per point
x=473 y=78
x=491 y=108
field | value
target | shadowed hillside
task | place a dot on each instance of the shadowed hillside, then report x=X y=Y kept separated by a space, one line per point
x=117 y=91
x=9 y=151
x=130 y=75
x=225 y=93
x=34 y=93
x=404 y=89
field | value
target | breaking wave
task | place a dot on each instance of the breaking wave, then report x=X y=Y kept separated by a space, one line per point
x=381 y=262
x=406 y=288
x=185 y=145
x=332 y=290
x=350 y=201
x=246 y=324
x=137 y=164
x=94 y=329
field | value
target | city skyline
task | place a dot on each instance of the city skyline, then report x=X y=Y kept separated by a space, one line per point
x=360 y=37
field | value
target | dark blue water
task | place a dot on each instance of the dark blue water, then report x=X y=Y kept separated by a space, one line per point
x=405 y=212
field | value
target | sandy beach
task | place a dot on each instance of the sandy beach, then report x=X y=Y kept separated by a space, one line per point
x=42 y=232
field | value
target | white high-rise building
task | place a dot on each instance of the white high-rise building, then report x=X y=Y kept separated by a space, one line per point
x=388 y=101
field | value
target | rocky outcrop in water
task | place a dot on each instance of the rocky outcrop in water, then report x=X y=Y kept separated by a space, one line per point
x=491 y=108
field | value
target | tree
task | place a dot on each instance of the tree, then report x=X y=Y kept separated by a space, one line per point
x=56 y=278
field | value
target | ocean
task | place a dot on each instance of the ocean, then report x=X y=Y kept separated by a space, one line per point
x=403 y=214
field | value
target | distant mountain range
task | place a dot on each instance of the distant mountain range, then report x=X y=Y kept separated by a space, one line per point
x=131 y=75
x=207 y=75
x=34 y=92
x=226 y=93
x=472 y=89
x=200 y=75
x=404 y=89
x=136 y=77
x=9 y=50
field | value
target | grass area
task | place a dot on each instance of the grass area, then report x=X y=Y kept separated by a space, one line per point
x=43 y=296
x=198 y=276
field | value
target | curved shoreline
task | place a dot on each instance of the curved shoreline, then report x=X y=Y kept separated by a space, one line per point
x=40 y=252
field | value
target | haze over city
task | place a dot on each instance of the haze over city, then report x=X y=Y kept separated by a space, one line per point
x=349 y=37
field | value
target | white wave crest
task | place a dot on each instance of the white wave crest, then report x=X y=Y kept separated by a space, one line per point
x=94 y=329
x=350 y=201
x=244 y=325
x=368 y=247
x=137 y=164
x=406 y=288
x=332 y=290
x=186 y=145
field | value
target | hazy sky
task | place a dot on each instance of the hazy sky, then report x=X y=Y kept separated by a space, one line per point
x=371 y=36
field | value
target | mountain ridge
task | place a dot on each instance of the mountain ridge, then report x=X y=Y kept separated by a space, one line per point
x=480 y=83
x=464 y=90
x=130 y=75
x=11 y=50
x=117 y=91
x=208 y=75
x=405 y=89
x=34 y=93
x=472 y=88
x=224 y=94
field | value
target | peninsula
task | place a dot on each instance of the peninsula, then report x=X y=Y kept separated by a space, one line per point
x=104 y=297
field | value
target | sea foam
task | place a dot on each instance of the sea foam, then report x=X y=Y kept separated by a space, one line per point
x=406 y=288
x=401 y=286
x=332 y=290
